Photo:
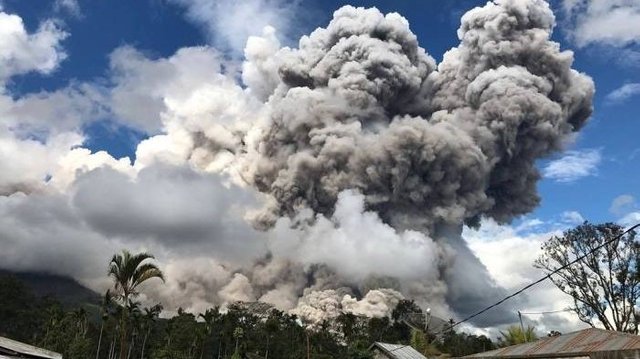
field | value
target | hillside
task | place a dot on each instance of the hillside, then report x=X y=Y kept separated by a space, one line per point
x=65 y=289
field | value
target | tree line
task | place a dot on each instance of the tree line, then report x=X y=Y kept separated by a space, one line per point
x=120 y=328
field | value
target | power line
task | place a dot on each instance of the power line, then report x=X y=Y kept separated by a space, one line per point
x=538 y=281
x=548 y=311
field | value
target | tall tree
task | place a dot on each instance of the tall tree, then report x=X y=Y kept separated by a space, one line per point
x=605 y=285
x=135 y=321
x=238 y=333
x=209 y=317
x=150 y=316
x=128 y=272
x=105 y=311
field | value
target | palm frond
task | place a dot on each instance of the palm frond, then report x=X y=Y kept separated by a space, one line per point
x=146 y=272
x=134 y=261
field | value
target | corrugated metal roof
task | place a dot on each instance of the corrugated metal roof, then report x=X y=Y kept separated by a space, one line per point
x=586 y=342
x=399 y=351
x=12 y=347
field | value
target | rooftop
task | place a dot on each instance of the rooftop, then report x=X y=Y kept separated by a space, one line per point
x=591 y=342
x=12 y=349
x=398 y=351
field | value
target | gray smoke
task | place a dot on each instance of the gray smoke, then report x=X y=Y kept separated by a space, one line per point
x=361 y=107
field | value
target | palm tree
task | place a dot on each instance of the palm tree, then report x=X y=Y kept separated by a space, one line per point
x=150 y=315
x=116 y=313
x=271 y=326
x=135 y=316
x=105 y=311
x=238 y=333
x=209 y=317
x=128 y=271
x=79 y=317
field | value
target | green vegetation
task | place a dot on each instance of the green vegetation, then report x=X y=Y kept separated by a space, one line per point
x=605 y=284
x=120 y=328
x=517 y=335
x=128 y=272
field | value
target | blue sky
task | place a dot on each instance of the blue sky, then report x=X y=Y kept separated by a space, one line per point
x=130 y=78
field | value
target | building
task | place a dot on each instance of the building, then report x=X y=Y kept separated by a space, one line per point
x=394 y=351
x=11 y=349
x=590 y=343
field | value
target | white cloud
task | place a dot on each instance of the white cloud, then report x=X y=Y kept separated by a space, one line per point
x=21 y=52
x=354 y=232
x=174 y=206
x=626 y=208
x=25 y=163
x=571 y=217
x=610 y=22
x=573 y=166
x=624 y=92
x=43 y=113
x=37 y=133
x=509 y=256
x=106 y=211
x=187 y=90
x=229 y=23
x=630 y=219
x=622 y=204
x=72 y=7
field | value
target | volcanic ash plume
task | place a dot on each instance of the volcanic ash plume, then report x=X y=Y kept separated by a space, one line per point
x=361 y=106
x=359 y=113
x=372 y=157
x=320 y=306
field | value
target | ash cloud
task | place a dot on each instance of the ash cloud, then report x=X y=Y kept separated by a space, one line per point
x=356 y=157
x=361 y=108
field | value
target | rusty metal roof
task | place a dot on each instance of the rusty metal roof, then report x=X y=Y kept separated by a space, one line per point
x=581 y=343
x=398 y=351
x=15 y=349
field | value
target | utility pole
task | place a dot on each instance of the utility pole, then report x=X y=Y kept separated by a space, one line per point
x=525 y=334
x=427 y=320
x=521 y=325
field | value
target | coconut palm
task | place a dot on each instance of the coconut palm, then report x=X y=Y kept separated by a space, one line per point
x=128 y=272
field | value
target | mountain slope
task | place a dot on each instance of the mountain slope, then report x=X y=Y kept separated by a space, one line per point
x=65 y=289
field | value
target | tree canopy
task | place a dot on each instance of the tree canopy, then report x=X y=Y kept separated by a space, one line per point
x=120 y=327
x=605 y=285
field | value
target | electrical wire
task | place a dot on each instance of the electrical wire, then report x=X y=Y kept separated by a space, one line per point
x=548 y=311
x=449 y=327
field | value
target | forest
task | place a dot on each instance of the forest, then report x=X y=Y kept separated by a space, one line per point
x=243 y=330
